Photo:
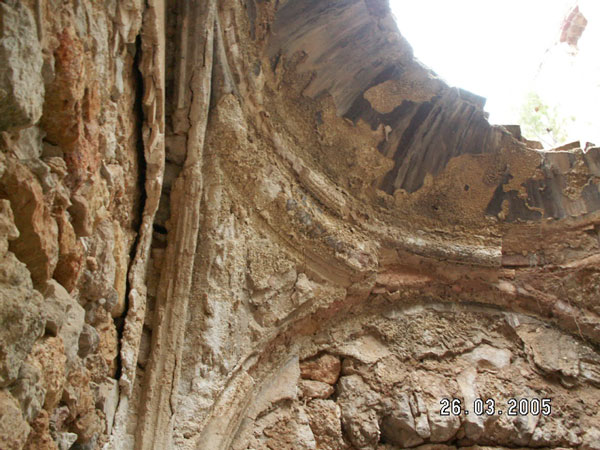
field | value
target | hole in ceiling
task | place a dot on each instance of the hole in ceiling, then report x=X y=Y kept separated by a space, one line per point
x=536 y=61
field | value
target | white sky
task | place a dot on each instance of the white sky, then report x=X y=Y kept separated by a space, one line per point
x=492 y=48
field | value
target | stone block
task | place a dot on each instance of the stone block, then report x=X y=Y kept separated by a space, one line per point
x=29 y=391
x=13 y=427
x=21 y=324
x=64 y=317
x=325 y=368
x=21 y=83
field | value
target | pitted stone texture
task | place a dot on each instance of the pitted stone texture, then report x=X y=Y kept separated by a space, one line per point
x=40 y=437
x=315 y=389
x=82 y=418
x=98 y=277
x=399 y=426
x=293 y=221
x=88 y=341
x=360 y=407
x=282 y=386
x=107 y=339
x=29 y=146
x=108 y=399
x=65 y=440
x=64 y=317
x=591 y=439
x=325 y=368
x=36 y=245
x=48 y=355
x=290 y=432
x=21 y=83
x=326 y=424
x=8 y=230
x=29 y=390
x=13 y=427
x=489 y=358
x=20 y=316
x=557 y=353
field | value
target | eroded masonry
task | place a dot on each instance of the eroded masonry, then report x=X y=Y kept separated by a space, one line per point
x=254 y=224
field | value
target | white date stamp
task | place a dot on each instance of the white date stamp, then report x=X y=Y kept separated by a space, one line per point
x=490 y=407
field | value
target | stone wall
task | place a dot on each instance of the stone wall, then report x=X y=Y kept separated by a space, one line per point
x=71 y=173
x=265 y=225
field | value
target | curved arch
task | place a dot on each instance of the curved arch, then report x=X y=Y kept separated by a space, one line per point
x=332 y=179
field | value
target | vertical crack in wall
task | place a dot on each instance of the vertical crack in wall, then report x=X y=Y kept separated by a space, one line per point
x=152 y=70
x=139 y=87
x=173 y=293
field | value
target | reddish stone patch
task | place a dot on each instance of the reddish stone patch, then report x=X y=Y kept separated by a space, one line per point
x=325 y=368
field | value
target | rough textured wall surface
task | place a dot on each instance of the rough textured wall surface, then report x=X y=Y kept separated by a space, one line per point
x=253 y=224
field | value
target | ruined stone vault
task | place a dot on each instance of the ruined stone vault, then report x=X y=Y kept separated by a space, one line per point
x=254 y=224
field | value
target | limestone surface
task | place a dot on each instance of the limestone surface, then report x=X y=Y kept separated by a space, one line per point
x=247 y=224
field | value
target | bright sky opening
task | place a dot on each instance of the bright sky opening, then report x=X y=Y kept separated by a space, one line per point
x=495 y=48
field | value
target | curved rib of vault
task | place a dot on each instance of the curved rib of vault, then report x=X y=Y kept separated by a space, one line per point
x=325 y=181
